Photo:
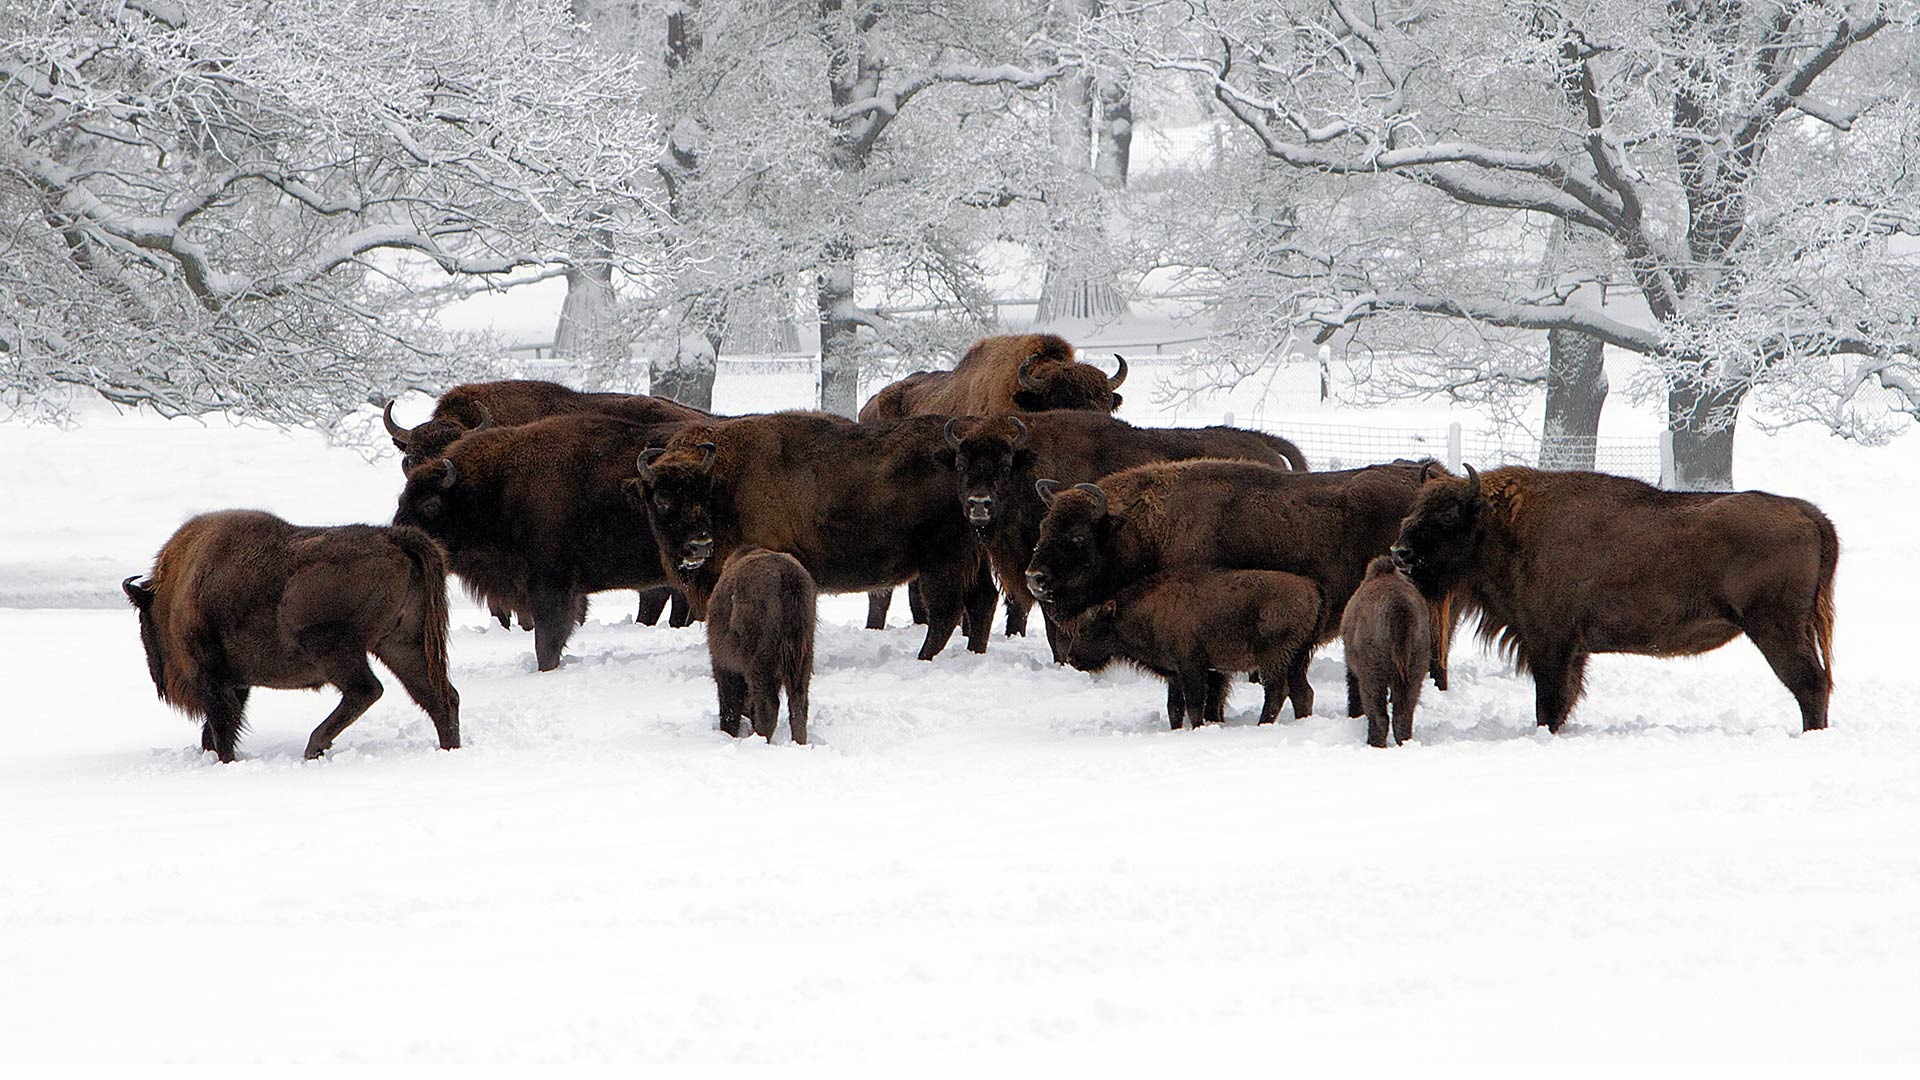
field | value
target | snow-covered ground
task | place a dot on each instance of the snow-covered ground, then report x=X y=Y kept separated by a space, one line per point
x=981 y=858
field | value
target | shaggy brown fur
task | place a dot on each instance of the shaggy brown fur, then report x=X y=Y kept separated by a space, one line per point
x=989 y=381
x=1562 y=565
x=1387 y=642
x=534 y=517
x=240 y=598
x=1195 y=625
x=760 y=636
x=860 y=505
x=1235 y=515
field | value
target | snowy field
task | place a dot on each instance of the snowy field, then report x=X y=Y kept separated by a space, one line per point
x=982 y=858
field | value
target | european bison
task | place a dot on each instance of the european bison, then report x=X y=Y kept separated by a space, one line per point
x=1562 y=565
x=1024 y=373
x=241 y=598
x=1387 y=640
x=533 y=517
x=1234 y=515
x=860 y=505
x=760 y=636
x=998 y=459
x=1195 y=625
x=509 y=402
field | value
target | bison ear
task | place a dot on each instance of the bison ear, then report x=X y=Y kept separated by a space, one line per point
x=634 y=489
x=1117 y=399
x=1046 y=489
x=139 y=595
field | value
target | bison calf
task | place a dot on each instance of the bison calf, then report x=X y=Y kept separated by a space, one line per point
x=240 y=598
x=1388 y=642
x=1193 y=626
x=760 y=635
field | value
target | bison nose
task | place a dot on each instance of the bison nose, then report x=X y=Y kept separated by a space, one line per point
x=1037 y=584
x=701 y=546
x=979 y=507
x=1402 y=555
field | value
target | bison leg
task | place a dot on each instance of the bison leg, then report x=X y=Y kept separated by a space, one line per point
x=1194 y=690
x=797 y=711
x=1374 y=696
x=763 y=704
x=345 y=666
x=1797 y=664
x=916 y=603
x=553 y=623
x=406 y=658
x=1558 y=676
x=1298 y=687
x=878 y=601
x=1273 y=693
x=681 y=613
x=1176 y=705
x=226 y=718
x=499 y=611
x=652 y=602
x=733 y=699
x=1406 y=697
x=1355 y=707
x=1017 y=610
x=943 y=592
x=1217 y=684
x=1056 y=638
x=981 y=598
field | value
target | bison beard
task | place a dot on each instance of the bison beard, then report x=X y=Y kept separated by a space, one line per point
x=860 y=505
x=240 y=598
x=1562 y=565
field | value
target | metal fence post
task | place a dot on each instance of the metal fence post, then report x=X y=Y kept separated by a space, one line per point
x=1666 y=459
x=1453 y=446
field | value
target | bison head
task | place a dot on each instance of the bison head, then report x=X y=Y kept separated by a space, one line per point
x=438 y=500
x=418 y=445
x=1075 y=537
x=1093 y=638
x=1067 y=385
x=1440 y=537
x=985 y=459
x=675 y=491
x=141 y=597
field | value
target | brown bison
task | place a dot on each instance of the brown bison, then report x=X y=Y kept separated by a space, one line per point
x=1234 y=515
x=510 y=402
x=860 y=505
x=1194 y=626
x=999 y=459
x=240 y=598
x=1562 y=565
x=1024 y=373
x=760 y=636
x=1387 y=641
x=533 y=517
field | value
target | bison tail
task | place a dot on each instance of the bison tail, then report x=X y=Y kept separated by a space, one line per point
x=430 y=561
x=1823 y=594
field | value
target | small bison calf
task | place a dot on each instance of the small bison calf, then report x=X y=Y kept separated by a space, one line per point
x=760 y=635
x=1386 y=631
x=240 y=598
x=1192 y=627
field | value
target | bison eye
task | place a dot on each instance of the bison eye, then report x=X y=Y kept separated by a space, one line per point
x=1078 y=540
x=662 y=503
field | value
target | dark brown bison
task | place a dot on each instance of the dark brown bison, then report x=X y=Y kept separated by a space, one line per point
x=510 y=402
x=533 y=517
x=1234 y=515
x=1195 y=625
x=1385 y=628
x=999 y=459
x=760 y=636
x=240 y=598
x=860 y=505
x=1562 y=565
x=1024 y=373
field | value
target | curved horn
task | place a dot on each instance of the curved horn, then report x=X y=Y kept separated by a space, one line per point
x=452 y=477
x=952 y=439
x=1046 y=489
x=1099 y=497
x=1426 y=469
x=135 y=593
x=1025 y=377
x=1118 y=376
x=644 y=463
x=1020 y=432
x=1473 y=479
x=486 y=418
x=708 y=452
x=393 y=429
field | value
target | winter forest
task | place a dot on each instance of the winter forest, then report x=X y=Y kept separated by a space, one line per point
x=249 y=249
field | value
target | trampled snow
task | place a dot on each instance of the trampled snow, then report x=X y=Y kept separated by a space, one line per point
x=981 y=857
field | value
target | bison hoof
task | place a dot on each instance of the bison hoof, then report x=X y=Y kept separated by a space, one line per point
x=315 y=752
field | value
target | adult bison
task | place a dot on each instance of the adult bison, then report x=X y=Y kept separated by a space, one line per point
x=1235 y=515
x=860 y=505
x=241 y=598
x=1024 y=373
x=998 y=459
x=1562 y=565
x=534 y=517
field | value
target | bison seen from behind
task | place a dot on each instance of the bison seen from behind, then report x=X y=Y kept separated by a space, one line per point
x=241 y=598
x=1385 y=628
x=760 y=638
x=1562 y=565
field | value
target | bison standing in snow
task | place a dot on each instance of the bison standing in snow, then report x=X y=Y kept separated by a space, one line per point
x=760 y=638
x=1562 y=565
x=1386 y=631
x=240 y=598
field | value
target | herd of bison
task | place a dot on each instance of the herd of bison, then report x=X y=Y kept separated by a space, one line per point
x=1196 y=554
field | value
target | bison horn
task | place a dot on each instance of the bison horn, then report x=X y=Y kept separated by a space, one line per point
x=1426 y=469
x=1099 y=497
x=136 y=593
x=1118 y=376
x=452 y=476
x=708 y=452
x=1019 y=432
x=952 y=439
x=1046 y=489
x=393 y=429
x=486 y=418
x=1025 y=375
x=1473 y=479
x=644 y=463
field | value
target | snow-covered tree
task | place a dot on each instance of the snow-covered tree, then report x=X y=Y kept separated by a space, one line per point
x=214 y=205
x=1749 y=170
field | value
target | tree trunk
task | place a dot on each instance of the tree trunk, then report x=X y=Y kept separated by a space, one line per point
x=839 y=356
x=589 y=330
x=687 y=376
x=1075 y=286
x=1576 y=391
x=1113 y=133
x=1702 y=421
